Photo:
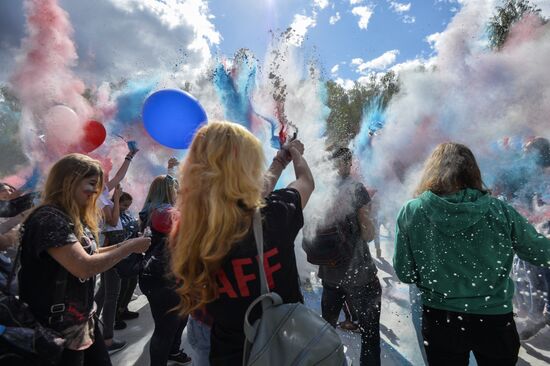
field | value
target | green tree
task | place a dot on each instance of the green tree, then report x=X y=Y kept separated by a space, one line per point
x=506 y=16
x=339 y=117
x=347 y=106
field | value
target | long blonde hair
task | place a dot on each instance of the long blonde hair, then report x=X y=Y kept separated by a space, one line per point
x=450 y=168
x=221 y=184
x=162 y=190
x=61 y=184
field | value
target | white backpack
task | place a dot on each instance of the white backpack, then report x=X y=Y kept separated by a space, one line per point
x=287 y=334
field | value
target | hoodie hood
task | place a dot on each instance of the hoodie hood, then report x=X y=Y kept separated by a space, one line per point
x=455 y=212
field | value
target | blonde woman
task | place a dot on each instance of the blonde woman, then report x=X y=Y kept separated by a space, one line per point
x=456 y=243
x=60 y=258
x=155 y=282
x=213 y=249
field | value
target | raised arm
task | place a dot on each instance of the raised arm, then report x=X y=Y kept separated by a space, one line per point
x=279 y=163
x=171 y=167
x=121 y=173
x=304 y=183
x=112 y=213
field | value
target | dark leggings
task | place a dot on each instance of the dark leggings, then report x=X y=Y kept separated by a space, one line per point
x=106 y=300
x=95 y=355
x=127 y=287
x=366 y=301
x=169 y=325
x=450 y=336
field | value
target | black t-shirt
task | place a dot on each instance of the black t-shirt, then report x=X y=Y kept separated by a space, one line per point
x=49 y=227
x=352 y=195
x=239 y=282
x=130 y=225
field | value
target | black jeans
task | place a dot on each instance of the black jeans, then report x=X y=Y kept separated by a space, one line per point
x=127 y=287
x=450 y=336
x=365 y=301
x=169 y=325
x=95 y=355
x=106 y=300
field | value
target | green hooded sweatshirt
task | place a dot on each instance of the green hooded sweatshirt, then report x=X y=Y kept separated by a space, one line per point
x=458 y=249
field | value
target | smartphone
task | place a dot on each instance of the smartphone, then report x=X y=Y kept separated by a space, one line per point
x=132 y=146
x=294 y=133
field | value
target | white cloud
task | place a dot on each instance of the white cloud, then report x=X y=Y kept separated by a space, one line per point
x=300 y=26
x=335 y=18
x=380 y=63
x=321 y=4
x=364 y=13
x=345 y=83
x=357 y=61
x=335 y=69
x=117 y=38
x=400 y=7
x=366 y=79
x=409 y=19
x=413 y=65
x=433 y=39
x=355 y=2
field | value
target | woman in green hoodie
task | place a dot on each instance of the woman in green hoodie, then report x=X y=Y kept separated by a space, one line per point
x=456 y=243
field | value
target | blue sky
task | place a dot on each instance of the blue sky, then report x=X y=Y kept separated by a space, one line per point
x=396 y=30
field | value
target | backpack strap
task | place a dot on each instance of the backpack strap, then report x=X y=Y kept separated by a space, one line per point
x=268 y=299
x=259 y=238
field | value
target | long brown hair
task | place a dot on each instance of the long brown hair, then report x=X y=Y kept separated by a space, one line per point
x=61 y=184
x=162 y=190
x=450 y=168
x=221 y=184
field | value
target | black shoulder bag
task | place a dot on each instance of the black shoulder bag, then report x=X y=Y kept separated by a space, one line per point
x=23 y=340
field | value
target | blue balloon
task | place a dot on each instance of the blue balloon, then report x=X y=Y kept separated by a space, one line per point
x=172 y=117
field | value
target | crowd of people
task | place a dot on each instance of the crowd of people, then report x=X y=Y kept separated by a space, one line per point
x=192 y=251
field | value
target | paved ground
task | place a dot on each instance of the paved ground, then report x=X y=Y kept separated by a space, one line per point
x=399 y=346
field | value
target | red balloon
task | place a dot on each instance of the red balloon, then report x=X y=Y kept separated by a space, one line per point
x=94 y=136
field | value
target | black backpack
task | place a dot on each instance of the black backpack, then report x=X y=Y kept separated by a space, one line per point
x=23 y=340
x=332 y=245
